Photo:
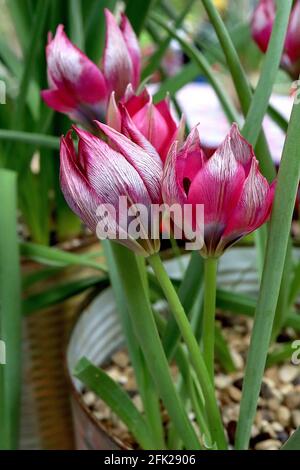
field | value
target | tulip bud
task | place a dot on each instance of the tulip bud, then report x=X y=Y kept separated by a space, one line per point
x=237 y=199
x=97 y=178
x=261 y=26
x=77 y=87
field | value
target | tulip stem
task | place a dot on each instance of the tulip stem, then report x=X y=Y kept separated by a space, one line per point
x=214 y=418
x=210 y=277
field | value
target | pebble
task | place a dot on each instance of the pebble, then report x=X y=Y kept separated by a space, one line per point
x=222 y=381
x=265 y=390
x=292 y=400
x=273 y=404
x=89 y=398
x=237 y=360
x=269 y=444
x=288 y=373
x=284 y=415
x=296 y=418
x=138 y=403
x=235 y=393
x=121 y=359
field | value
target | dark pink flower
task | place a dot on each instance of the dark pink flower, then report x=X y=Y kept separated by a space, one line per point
x=98 y=174
x=237 y=199
x=136 y=116
x=261 y=26
x=77 y=86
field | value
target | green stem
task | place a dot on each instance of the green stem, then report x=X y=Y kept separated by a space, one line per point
x=140 y=312
x=288 y=177
x=208 y=337
x=215 y=422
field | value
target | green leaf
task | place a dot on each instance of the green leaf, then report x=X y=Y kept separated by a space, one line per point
x=55 y=257
x=222 y=351
x=280 y=354
x=116 y=398
x=204 y=67
x=76 y=23
x=60 y=293
x=137 y=12
x=295 y=285
x=10 y=313
x=144 y=380
x=172 y=84
x=157 y=57
x=288 y=177
x=293 y=442
x=139 y=308
x=260 y=100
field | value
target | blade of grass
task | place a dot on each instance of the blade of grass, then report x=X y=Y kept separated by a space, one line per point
x=145 y=328
x=280 y=224
x=76 y=23
x=144 y=380
x=60 y=293
x=55 y=257
x=10 y=313
x=116 y=398
x=293 y=442
x=157 y=57
x=137 y=12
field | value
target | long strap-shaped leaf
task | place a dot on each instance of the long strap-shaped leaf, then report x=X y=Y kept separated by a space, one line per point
x=145 y=329
x=288 y=177
x=293 y=443
x=10 y=313
x=116 y=398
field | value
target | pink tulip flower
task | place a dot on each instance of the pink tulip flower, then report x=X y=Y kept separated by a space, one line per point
x=77 y=86
x=98 y=174
x=137 y=117
x=261 y=26
x=237 y=199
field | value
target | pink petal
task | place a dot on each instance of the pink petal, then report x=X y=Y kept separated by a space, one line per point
x=148 y=167
x=59 y=100
x=80 y=196
x=172 y=189
x=72 y=72
x=241 y=149
x=132 y=132
x=218 y=185
x=262 y=23
x=254 y=205
x=117 y=64
x=190 y=160
x=133 y=49
x=113 y=115
x=292 y=43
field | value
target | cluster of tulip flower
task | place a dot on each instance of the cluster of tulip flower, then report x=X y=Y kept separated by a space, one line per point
x=127 y=146
x=141 y=152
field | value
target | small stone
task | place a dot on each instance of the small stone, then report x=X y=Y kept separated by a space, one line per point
x=284 y=415
x=282 y=436
x=273 y=404
x=296 y=381
x=235 y=394
x=265 y=390
x=263 y=436
x=222 y=381
x=121 y=359
x=237 y=359
x=254 y=430
x=269 y=444
x=277 y=426
x=138 y=403
x=296 y=418
x=288 y=373
x=89 y=399
x=238 y=383
x=292 y=400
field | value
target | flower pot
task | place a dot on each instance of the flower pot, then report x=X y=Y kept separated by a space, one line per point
x=97 y=335
x=46 y=421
